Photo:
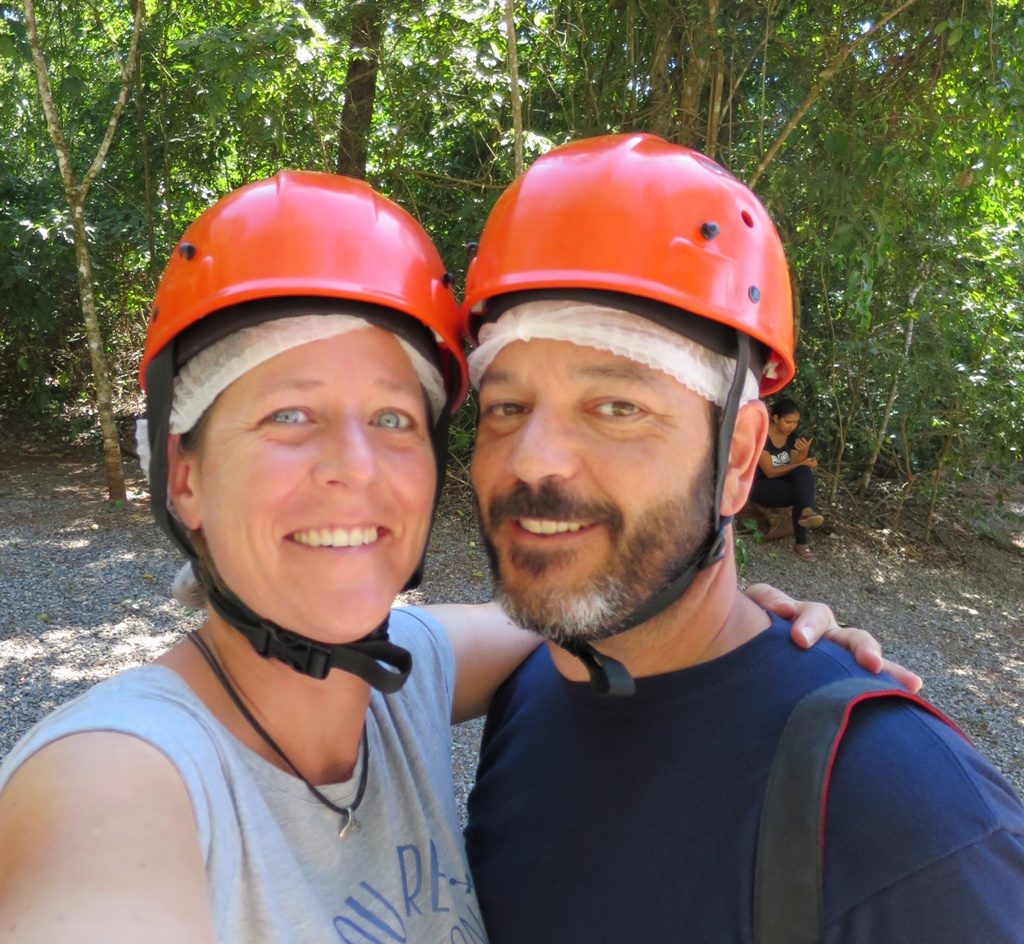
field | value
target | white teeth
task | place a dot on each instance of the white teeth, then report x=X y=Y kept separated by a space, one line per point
x=336 y=537
x=546 y=526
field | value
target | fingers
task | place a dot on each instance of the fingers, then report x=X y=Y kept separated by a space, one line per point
x=812 y=622
x=868 y=653
x=911 y=681
x=774 y=600
x=863 y=646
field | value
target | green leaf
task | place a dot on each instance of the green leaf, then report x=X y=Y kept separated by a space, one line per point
x=9 y=48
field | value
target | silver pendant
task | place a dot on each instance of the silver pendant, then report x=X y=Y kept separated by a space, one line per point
x=348 y=823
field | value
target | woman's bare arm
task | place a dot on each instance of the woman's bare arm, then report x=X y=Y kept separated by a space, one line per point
x=489 y=647
x=770 y=471
x=100 y=845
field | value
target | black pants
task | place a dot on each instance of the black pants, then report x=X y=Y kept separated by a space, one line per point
x=795 y=488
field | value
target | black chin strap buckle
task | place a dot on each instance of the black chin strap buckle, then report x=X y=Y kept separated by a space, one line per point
x=608 y=676
x=362 y=658
x=301 y=654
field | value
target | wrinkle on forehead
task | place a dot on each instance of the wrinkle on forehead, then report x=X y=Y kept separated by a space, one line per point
x=303 y=384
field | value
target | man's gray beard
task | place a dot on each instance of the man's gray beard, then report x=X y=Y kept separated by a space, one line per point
x=589 y=615
x=665 y=540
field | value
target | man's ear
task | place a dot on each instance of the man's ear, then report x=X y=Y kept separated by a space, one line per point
x=747 y=443
x=183 y=483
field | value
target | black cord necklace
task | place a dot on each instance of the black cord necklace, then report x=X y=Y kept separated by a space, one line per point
x=347 y=813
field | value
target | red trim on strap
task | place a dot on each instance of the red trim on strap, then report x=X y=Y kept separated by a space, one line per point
x=899 y=693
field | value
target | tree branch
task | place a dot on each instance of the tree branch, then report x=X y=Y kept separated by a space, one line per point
x=46 y=94
x=513 y=77
x=819 y=87
x=126 y=79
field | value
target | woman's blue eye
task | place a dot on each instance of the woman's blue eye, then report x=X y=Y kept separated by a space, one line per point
x=289 y=416
x=391 y=419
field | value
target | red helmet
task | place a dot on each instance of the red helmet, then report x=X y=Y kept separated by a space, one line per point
x=301 y=233
x=634 y=214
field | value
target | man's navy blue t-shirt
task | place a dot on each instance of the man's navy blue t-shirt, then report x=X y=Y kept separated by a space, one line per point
x=635 y=819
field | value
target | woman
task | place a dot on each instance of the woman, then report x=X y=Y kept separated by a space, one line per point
x=280 y=774
x=784 y=478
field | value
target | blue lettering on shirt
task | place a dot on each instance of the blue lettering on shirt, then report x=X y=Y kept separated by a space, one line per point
x=370 y=917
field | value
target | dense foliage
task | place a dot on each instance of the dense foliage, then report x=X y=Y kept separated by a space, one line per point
x=887 y=143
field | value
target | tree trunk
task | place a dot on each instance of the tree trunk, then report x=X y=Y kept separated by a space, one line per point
x=360 y=90
x=147 y=172
x=704 y=48
x=940 y=465
x=94 y=338
x=513 y=78
x=661 y=101
x=844 y=422
x=160 y=54
x=908 y=485
x=715 y=106
x=76 y=194
x=889 y=404
x=690 y=125
x=632 y=90
x=794 y=289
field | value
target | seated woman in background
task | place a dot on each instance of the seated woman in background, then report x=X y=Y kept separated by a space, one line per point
x=784 y=477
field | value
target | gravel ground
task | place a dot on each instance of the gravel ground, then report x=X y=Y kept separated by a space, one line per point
x=84 y=585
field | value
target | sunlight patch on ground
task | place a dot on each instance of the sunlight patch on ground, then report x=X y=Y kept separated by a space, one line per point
x=111 y=557
x=16 y=650
x=66 y=674
x=72 y=544
x=142 y=646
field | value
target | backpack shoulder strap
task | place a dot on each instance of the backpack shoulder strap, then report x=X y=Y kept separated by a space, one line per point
x=791 y=837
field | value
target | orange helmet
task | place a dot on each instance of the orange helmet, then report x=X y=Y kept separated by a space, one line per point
x=297 y=236
x=636 y=215
x=301 y=233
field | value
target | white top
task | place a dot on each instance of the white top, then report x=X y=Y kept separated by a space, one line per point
x=277 y=870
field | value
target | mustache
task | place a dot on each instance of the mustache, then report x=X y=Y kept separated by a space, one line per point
x=551 y=502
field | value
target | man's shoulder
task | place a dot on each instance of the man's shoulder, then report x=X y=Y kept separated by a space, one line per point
x=910 y=798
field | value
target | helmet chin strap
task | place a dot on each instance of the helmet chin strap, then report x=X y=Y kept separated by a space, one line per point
x=610 y=677
x=374 y=658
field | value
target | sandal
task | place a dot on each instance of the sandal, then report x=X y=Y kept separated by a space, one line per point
x=804 y=552
x=809 y=518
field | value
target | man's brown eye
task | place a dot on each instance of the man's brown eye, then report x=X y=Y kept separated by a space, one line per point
x=618 y=408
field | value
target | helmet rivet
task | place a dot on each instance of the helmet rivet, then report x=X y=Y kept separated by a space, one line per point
x=447 y=279
x=709 y=230
x=754 y=293
x=186 y=251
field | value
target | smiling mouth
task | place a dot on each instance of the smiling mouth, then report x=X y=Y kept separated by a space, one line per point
x=336 y=537
x=548 y=526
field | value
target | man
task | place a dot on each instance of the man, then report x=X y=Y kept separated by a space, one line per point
x=621 y=288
